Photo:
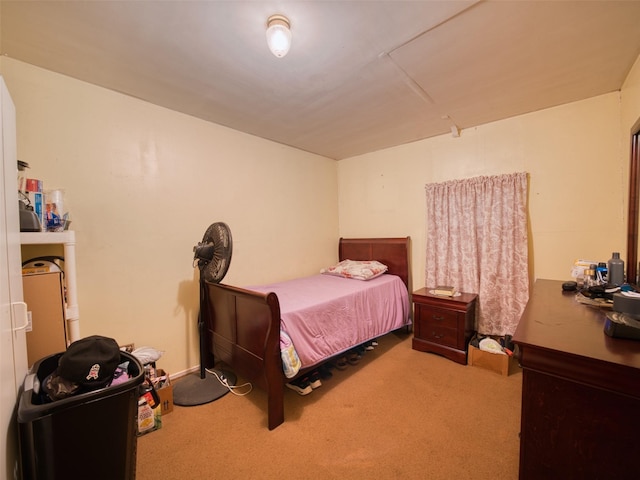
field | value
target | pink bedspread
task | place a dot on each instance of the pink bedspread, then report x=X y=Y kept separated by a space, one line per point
x=326 y=315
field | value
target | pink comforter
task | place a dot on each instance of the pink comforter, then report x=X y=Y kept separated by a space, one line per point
x=325 y=315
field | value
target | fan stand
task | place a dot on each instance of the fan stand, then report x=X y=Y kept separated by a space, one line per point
x=203 y=387
x=195 y=390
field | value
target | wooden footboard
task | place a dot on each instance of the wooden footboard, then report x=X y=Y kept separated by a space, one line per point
x=243 y=327
x=243 y=331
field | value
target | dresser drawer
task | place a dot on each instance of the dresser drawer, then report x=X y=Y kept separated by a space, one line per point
x=436 y=317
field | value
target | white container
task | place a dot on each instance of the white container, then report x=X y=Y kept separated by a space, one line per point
x=54 y=210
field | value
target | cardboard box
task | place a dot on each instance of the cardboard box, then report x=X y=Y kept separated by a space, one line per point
x=502 y=364
x=165 y=392
x=44 y=296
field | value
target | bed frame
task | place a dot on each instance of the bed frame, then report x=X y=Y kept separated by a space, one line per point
x=242 y=327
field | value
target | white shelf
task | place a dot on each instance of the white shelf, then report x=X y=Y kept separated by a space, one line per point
x=68 y=240
x=45 y=238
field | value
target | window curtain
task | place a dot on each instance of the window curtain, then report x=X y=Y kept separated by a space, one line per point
x=477 y=242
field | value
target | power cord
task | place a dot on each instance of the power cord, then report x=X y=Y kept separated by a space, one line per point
x=232 y=388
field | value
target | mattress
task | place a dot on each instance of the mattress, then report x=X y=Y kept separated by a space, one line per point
x=325 y=315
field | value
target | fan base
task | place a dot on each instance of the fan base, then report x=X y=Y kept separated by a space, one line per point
x=193 y=390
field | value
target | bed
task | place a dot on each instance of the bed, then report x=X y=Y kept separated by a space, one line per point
x=243 y=325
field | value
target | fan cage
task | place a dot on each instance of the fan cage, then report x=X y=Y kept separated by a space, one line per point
x=213 y=254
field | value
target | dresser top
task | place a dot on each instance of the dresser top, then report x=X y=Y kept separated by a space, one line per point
x=555 y=320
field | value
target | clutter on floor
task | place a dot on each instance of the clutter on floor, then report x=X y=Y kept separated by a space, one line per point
x=309 y=382
x=155 y=393
x=493 y=353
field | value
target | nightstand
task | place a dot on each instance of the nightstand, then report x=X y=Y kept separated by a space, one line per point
x=444 y=325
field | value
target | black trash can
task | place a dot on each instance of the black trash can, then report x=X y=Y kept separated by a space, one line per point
x=89 y=435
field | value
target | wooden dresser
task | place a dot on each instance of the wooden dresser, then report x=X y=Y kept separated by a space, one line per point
x=444 y=325
x=580 y=392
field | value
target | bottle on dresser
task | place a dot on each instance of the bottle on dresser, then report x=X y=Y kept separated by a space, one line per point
x=615 y=274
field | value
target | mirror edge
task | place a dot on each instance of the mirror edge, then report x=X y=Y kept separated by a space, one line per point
x=634 y=197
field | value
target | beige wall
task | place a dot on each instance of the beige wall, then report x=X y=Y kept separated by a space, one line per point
x=577 y=160
x=143 y=183
x=631 y=99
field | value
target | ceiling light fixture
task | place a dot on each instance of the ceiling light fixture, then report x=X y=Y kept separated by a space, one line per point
x=278 y=35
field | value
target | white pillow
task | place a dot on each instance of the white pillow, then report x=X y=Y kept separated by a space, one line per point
x=356 y=269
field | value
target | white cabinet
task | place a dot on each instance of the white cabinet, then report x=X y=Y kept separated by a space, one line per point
x=13 y=312
x=68 y=240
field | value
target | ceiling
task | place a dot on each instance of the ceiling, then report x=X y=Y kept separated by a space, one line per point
x=360 y=76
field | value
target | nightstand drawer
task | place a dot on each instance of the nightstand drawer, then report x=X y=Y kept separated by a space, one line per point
x=440 y=335
x=437 y=317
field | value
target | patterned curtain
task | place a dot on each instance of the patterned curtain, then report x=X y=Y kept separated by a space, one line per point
x=477 y=242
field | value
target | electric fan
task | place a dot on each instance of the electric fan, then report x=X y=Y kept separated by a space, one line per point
x=212 y=256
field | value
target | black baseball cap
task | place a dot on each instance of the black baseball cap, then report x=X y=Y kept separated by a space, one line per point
x=90 y=362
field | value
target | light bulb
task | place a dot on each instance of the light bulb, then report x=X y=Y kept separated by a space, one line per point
x=278 y=35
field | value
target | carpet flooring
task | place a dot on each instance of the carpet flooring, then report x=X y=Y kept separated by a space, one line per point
x=398 y=414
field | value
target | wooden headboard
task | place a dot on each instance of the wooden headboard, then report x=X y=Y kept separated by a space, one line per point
x=393 y=252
